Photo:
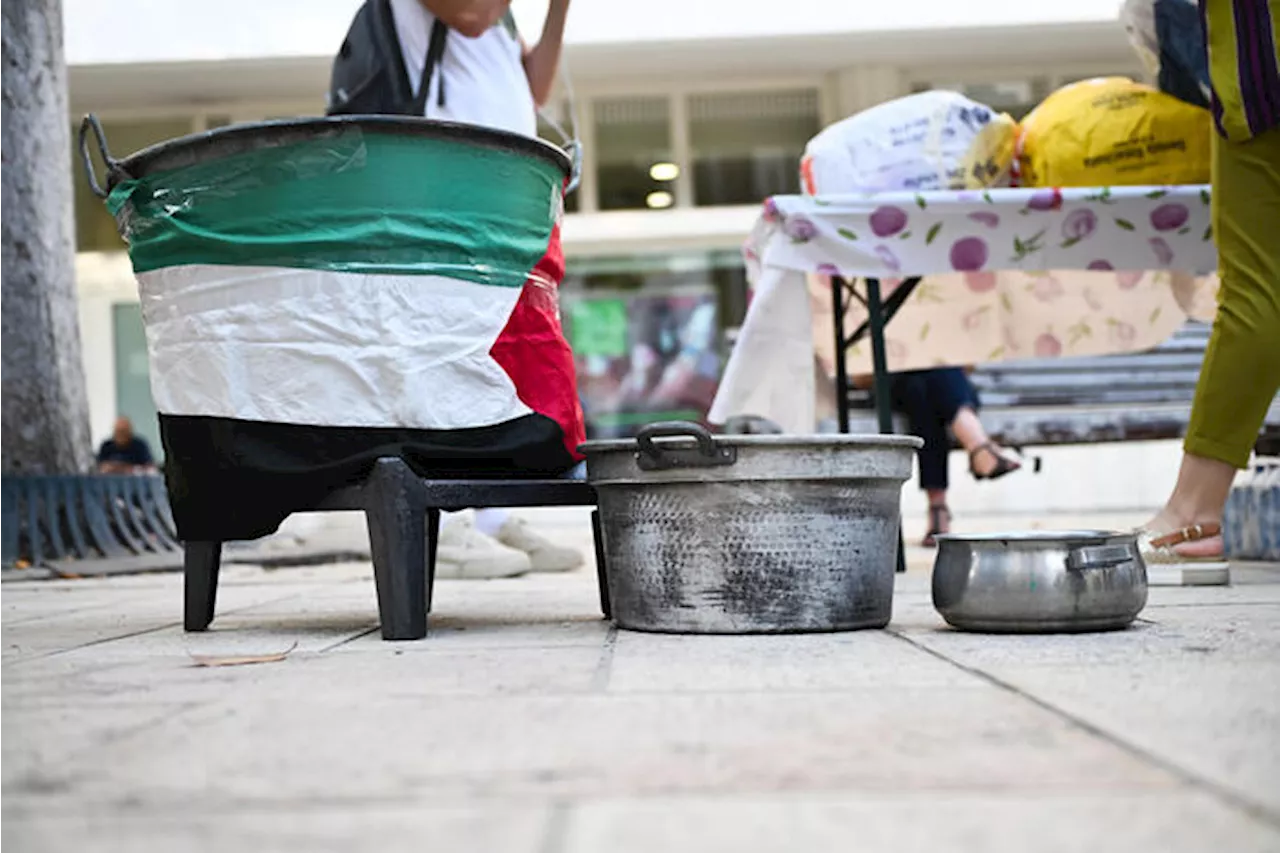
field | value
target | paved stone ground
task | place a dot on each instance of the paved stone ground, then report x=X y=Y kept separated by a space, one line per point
x=525 y=723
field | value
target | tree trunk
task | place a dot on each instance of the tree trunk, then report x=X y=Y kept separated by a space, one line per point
x=45 y=426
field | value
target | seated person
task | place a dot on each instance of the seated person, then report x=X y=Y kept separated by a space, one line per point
x=124 y=452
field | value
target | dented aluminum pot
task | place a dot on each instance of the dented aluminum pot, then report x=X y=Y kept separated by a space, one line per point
x=749 y=534
x=1039 y=581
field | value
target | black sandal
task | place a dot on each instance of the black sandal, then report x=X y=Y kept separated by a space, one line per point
x=939 y=516
x=1003 y=464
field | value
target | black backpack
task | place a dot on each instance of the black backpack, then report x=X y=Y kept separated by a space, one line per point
x=369 y=77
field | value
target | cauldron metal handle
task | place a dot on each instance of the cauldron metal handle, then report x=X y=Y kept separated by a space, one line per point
x=1100 y=556
x=90 y=122
x=707 y=454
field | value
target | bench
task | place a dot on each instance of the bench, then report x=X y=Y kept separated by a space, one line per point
x=1142 y=396
x=403 y=514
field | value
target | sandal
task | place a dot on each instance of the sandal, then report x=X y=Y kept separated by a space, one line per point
x=939 y=517
x=1166 y=567
x=1004 y=465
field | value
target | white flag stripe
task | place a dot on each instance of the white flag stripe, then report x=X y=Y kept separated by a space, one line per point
x=320 y=348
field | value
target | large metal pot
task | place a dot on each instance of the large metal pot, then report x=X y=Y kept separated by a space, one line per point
x=341 y=133
x=1039 y=581
x=750 y=534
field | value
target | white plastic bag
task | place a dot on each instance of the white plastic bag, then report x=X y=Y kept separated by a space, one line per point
x=928 y=141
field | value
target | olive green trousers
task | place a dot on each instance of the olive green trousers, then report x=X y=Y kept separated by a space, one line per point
x=1241 y=371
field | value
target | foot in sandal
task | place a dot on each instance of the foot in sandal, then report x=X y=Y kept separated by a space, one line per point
x=1183 y=555
x=939 y=522
x=990 y=461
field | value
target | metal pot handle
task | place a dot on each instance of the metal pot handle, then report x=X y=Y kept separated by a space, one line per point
x=1100 y=556
x=90 y=122
x=707 y=454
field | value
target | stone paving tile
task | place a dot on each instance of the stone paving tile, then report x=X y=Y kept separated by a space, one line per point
x=43 y=747
x=525 y=722
x=455 y=672
x=1218 y=721
x=143 y=623
x=538 y=610
x=853 y=661
x=1199 y=687
x=267 y=742
x=928 y=822
x=1229 y=632
x=318 y=827
x=26 y=603
x=164 y=673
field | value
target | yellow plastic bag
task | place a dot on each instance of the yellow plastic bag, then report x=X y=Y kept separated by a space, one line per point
x=1111 y=131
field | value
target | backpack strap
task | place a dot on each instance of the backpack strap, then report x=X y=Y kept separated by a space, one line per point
x=435 y=50
x=388 y=43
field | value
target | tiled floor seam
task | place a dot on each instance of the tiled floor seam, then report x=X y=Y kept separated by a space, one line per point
x=604 y=668
x=1257 y=811
x=55 y=614
x=355 y=636
x=132 y=634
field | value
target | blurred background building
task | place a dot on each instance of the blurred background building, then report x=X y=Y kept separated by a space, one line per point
x=690 y=113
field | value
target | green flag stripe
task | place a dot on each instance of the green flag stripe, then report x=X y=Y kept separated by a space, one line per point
x=362 y=201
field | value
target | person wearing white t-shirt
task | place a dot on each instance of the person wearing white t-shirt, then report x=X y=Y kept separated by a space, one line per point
x=490 y=78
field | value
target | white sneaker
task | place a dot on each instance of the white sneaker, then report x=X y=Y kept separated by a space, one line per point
x=545 y=555
x=463 y=552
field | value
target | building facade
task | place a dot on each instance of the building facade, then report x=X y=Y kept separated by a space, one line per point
x=682 y=140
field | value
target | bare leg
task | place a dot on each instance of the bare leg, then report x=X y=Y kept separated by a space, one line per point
x=1198 y=498
x=969 y=432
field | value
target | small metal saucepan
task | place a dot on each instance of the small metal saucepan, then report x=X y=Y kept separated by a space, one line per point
x=1039 y=581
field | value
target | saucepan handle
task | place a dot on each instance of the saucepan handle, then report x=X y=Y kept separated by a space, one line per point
x=705 y=454
x=1100 y=556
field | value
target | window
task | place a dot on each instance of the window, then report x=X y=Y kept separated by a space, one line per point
x=95 y=229
x=1015 y=97
x=634 y=160
x=647 y=334
x=747 y=146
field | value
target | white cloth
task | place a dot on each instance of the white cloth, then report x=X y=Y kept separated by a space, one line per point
x=484 y=78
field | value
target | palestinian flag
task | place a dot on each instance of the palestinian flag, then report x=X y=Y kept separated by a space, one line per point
x=323 y=292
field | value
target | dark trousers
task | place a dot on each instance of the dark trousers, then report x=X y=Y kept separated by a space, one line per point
x=930 y=399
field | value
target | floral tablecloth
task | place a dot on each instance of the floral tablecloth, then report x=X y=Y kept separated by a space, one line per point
x=1008 y=274
x=892 y=234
